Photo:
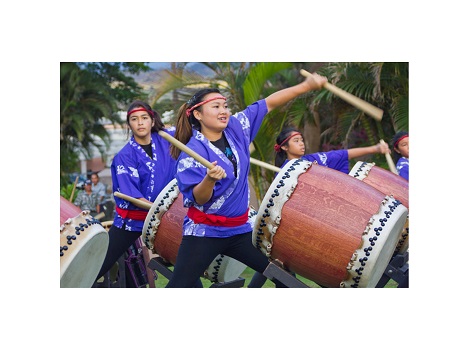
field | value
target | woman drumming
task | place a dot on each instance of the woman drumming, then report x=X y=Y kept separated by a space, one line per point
x=141 y=169
x=218 y=198
x=290 y=145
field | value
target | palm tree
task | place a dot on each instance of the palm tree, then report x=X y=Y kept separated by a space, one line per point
x=383 y=84
x=326 y=121
x=82 y=104
x=89 y=97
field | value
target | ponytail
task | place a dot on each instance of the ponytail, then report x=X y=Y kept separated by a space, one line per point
x=183 y=130
x=280 y=157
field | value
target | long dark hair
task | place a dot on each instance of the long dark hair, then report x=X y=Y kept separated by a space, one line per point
x=185 y=124
x=395 y=139
x=154 y=115
x=281 y=155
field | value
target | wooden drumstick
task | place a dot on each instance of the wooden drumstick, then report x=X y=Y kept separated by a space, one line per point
x=73 y=189
x=139 y=203
x=187 y=150
x=264 y=165
x=366 y=107
x=99 y=215
x=390 y=162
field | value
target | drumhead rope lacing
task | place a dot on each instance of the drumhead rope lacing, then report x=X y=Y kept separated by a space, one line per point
x=361 y=171
x=80 y=227
x=215 y=272
x=371 y=244
x=403 y=244
x=156 y=212
x=269 y=222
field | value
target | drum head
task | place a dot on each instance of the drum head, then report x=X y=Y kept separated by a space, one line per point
x=379 y=241
x=224 y=269
x=84 y=243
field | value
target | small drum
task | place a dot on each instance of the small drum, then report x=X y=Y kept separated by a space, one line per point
x=68 y=210
x=327 y=226
x=390 y=184
x=382 y=180
x=162 y=234
x=84 y=243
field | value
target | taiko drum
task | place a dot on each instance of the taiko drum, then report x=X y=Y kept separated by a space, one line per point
x=328 y=226
x=162 y=234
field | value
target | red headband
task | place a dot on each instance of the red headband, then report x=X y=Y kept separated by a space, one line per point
x=397 y=142
x=189 y=111
x=278 y=147
x=140 y=109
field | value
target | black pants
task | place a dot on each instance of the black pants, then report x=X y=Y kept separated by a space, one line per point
x=119 y=242
x=196 y=254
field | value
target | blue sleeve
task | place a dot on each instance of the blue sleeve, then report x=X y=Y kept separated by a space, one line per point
x=251 y=118
x=336 y=159
x=123 y=178
x=402 y=166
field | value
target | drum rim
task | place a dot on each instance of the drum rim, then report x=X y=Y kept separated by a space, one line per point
x=94 y=229
x=260 y=238
x=360 y=270
x=361 y=170
x=153 y=219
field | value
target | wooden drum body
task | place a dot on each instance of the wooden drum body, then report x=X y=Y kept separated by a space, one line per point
x=84 y=243
x=390 y=184
x=162 y=234
x=68 y=210
x=327 y=226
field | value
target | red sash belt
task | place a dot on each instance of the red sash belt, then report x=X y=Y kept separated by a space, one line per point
x=132 y=214
x=211 y=219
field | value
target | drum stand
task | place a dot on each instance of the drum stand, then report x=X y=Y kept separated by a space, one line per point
x=398 y=270
x=273 y=270
x=158 y=264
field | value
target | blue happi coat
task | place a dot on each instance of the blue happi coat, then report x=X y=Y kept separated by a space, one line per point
x=135 y=174
x=231 y=194
x=336 y=159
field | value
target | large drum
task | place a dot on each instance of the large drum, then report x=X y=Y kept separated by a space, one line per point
x=162 y=234
x=68 y=210
x=390 y=184
x=84 y=243
x=328 y=226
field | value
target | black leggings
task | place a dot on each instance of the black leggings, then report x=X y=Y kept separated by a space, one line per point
x=196 y=254
x=119 y=242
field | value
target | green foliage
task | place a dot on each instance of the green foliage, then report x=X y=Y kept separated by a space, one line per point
x=66 y=192
x=91 y=94
x=326 y=121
